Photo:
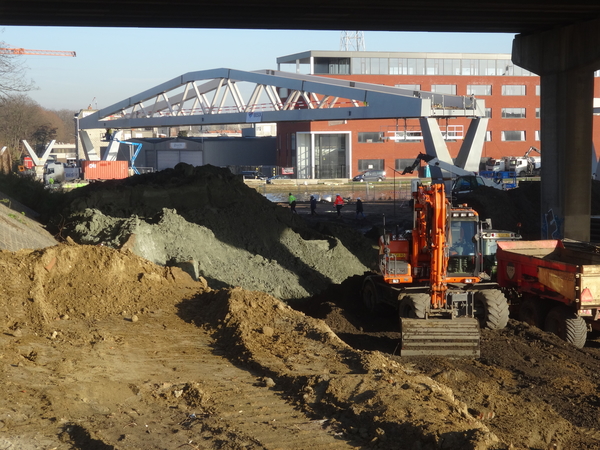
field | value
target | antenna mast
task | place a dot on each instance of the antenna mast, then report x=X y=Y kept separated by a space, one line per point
x=352 y=41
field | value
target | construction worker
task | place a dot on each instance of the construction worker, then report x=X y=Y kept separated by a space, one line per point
x=313 y=205
x=359 y=208
x=292 y=202
x=339 y=204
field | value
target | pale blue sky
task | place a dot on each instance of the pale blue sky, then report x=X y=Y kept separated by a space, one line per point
x=115 y=63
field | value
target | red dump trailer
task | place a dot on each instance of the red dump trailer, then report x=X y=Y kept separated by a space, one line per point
x=552 y=286
x=105 y=170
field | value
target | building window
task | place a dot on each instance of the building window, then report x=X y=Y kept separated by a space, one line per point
x=410 y=87
x=401 y=164
x=537 y=113
x=537 y=135
x=537 y=89
x=512 y=70
x=513 y=135
x=366 y=164
x=513 y=89
x=513 y=113
x=488 y=113
x=337 y=66
x=487 y=67
x=479 y=89
x=488 y=136
x=449 y=89
x=370 y=137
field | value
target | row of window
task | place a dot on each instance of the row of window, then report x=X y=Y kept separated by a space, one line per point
x=508 y=135
x=418 y=66
x=479 y=90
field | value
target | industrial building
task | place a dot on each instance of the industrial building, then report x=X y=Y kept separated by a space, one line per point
x=342 y=148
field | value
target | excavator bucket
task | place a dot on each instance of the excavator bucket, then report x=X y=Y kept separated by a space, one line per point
x=440 y=337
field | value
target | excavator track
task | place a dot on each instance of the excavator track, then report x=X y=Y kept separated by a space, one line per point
x=440 y=337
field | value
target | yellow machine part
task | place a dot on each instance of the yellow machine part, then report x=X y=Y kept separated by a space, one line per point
x=440 y=337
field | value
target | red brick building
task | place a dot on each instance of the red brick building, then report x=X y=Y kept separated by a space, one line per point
x=344 y=148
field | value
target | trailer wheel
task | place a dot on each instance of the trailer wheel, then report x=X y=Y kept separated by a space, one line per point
x=369 y=296
x=533 y=312
x=414 y=306
x=491 y=308
x=567 y=325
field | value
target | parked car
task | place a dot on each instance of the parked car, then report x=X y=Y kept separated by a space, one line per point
x=278 y=177
x=253 y=175
x=370 y=175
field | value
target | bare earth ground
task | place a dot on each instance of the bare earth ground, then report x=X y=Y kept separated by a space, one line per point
x=103 y=349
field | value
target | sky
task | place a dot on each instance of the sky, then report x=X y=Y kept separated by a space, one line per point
x=113 y=64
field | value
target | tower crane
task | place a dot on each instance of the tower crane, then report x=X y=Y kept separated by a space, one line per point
x=26 y=51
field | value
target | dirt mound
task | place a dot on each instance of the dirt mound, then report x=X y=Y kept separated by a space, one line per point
x=86 y=282
x=373 y=399
x=535 y=390
x=232 y=234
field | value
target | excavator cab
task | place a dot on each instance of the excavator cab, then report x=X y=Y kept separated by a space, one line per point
x=462 y=247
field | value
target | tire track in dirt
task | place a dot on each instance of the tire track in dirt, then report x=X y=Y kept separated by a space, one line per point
x=140 y=385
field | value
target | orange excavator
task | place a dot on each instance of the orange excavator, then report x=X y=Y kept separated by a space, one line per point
x=433 y=276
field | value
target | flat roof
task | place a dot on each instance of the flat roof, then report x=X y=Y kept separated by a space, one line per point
x=304 y=57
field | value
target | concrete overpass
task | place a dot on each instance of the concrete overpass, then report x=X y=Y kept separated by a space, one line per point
x=560 y=41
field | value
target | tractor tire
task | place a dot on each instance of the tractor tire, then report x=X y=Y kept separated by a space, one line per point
x=414 y=306
x=566 y=325
x=370 y=298
x=491 y=308
x=533 y=312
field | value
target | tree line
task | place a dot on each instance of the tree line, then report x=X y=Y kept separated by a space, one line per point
x=21 y=118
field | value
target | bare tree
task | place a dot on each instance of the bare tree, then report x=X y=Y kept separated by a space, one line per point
x=65 y=129
x=20 y=118
x=12 y=75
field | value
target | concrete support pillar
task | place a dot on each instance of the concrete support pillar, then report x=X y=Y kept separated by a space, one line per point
x=565 y=60
x=434 y=144
x=566 y=136
x=469 y=156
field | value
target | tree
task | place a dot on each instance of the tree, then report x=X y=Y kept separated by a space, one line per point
x=65 y=131
x=12 y=75
x=43 y=135
x=20 y=118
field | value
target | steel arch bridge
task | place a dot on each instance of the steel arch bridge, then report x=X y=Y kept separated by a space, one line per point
x=228 y=96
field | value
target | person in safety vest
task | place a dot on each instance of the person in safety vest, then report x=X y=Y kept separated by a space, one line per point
x=339 y=204
x=292 y=202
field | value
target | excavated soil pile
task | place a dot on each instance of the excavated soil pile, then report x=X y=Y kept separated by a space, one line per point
x=104 y=350
x=532 y=389
x=209 y=218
